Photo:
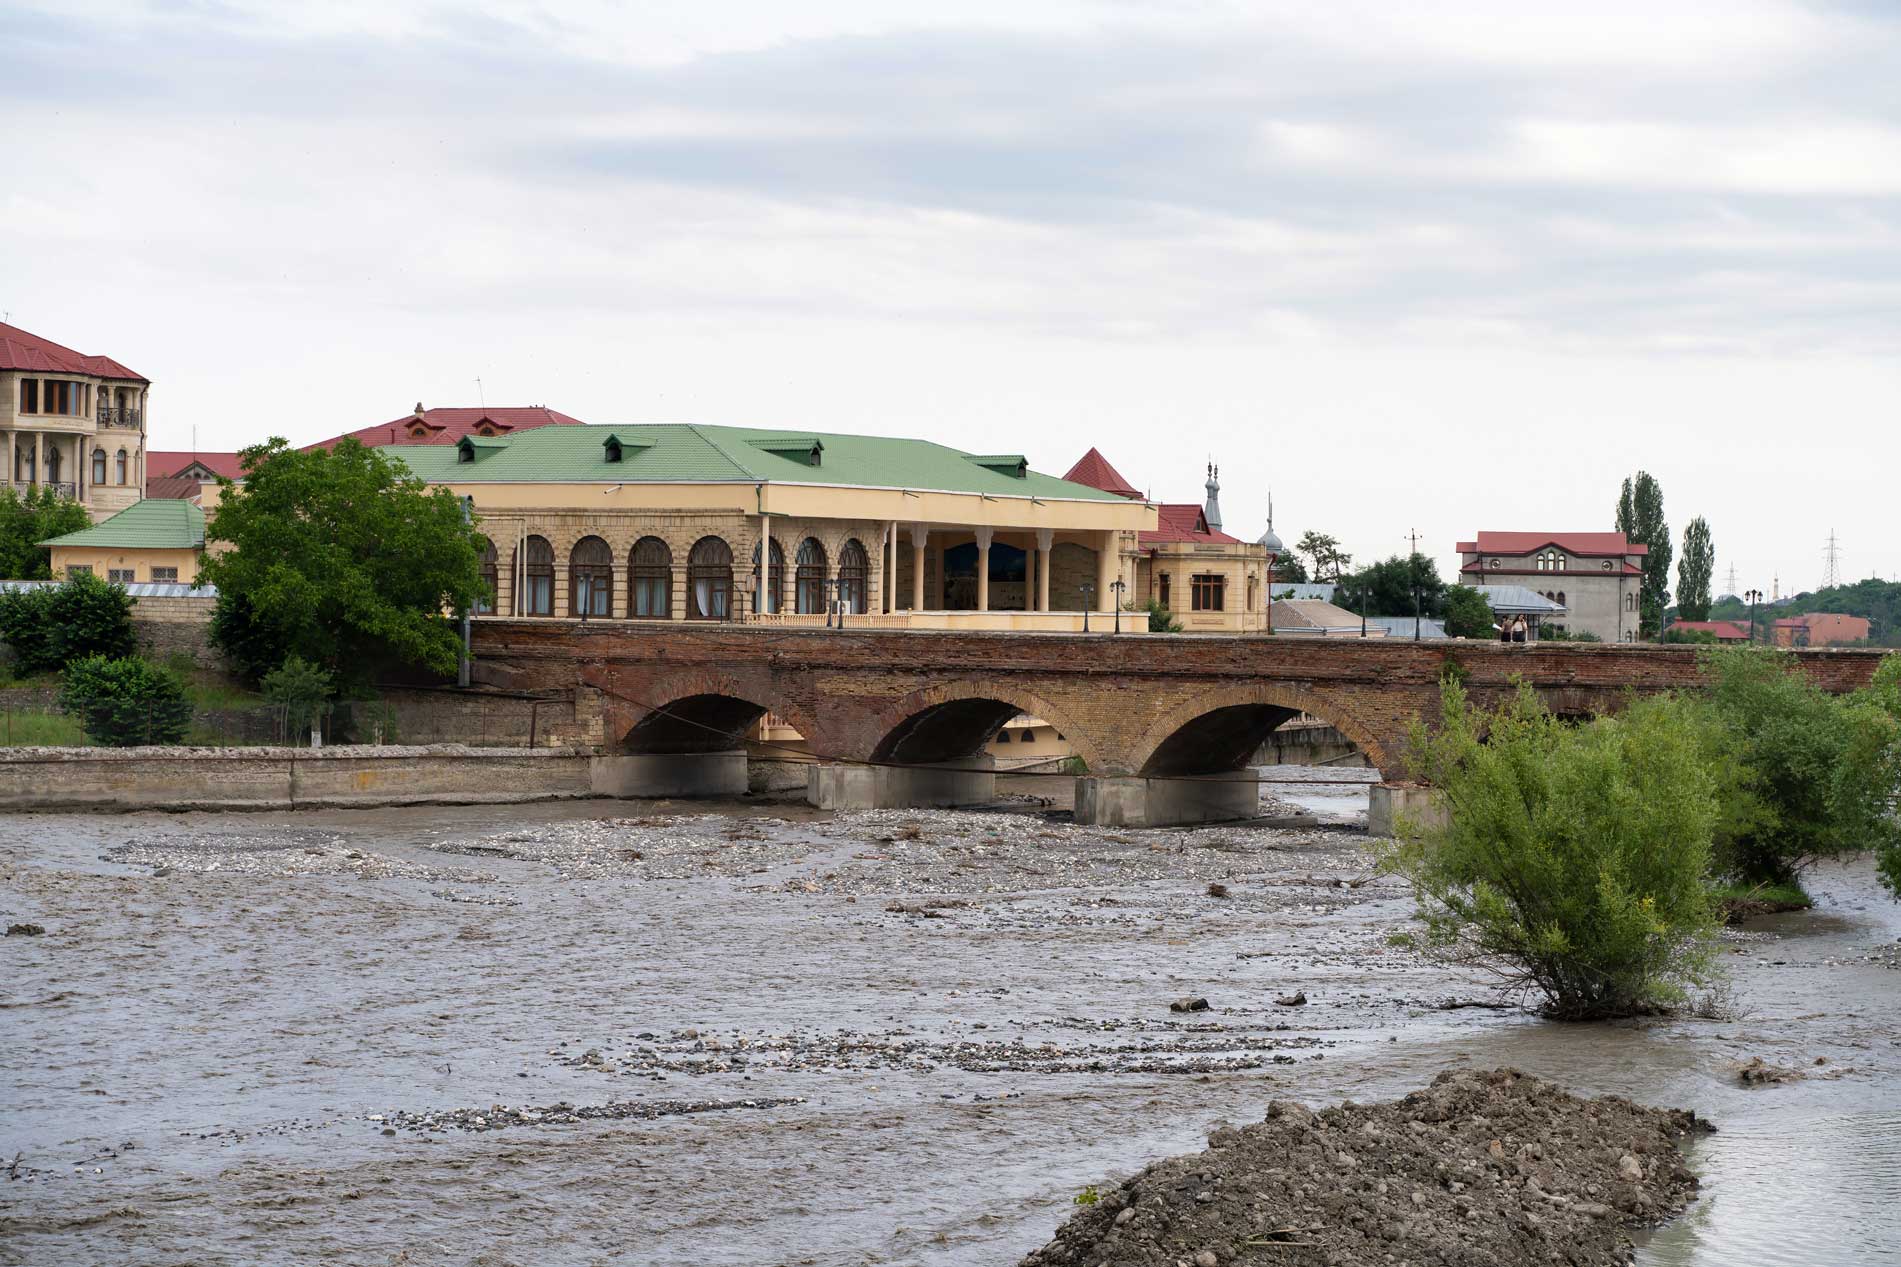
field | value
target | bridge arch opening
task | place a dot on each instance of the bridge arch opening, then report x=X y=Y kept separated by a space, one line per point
x=954 y=730
x=694 y=724
x=1217 y=742
x=1256 y=725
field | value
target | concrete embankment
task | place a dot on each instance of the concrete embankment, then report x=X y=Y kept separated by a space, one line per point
x=181 y=778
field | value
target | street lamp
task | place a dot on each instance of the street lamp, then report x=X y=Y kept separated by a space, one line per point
x=1753 y=597
x=1088 y=589
x=462 y=669
x=1118 y=586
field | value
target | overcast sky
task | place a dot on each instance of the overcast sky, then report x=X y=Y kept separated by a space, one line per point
x=1428 y=268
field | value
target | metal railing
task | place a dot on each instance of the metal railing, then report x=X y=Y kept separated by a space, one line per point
x=119 y=416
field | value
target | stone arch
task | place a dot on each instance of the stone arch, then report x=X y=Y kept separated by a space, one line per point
x=693 y=712
x=1228 y=724
x=952 y=714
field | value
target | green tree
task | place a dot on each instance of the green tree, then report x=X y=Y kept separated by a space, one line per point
x=1885 y=693
x=49 y=625
x=125 y=702
x=1694 y=571
x=341 y=557
x=1329 y=561
x=1573 y=858
x=1386 y=588
x=1289 y=570
x=302 y=690
x=1161 y=620
x=1640 y=519
x=25 y=521
x=1467 y=614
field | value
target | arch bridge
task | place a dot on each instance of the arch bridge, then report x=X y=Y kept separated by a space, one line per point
x=903 y=717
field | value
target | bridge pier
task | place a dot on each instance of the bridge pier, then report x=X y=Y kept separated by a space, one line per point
x=972 y=781
x=654 y=774
x=1135 y=801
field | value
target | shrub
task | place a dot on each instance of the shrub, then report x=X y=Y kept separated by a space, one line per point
x=1467 y=613
x=51 y=625
x=1678 y=634
x=1548 y=634
x=125 y=702
x=1574 y=857
x=302 y=690
x=1161 y=620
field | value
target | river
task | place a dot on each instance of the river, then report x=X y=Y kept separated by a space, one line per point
x=226 y=1014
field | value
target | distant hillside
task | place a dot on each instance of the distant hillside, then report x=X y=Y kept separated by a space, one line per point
x=1879 y=601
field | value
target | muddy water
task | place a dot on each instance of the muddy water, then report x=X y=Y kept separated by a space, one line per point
x=961 y=1070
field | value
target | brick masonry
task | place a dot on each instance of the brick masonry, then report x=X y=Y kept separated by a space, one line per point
x=1115 y=699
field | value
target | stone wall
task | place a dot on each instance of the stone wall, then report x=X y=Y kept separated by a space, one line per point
x=284 y=778
x=168 y=627
x=481 y=718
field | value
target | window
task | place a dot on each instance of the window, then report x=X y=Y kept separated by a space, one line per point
x=652 y=579
x=98 y=466
x=122 y=471
x=29 y=395
x=1561 y=601
x=57 y=396
x=79 y=569
x=1003 y=736
x=853 y=567
x=52 y=466
x=537 y=577
x=1207 y=593
x=771 y=596
x=121 y=576
x=1498 y=563
x=809 y=597
x=1161 y=589
x=165 y=574
x=484 y=606
x=1606 y=565
x=709 y=580
x=23 y=460
x=591 y=578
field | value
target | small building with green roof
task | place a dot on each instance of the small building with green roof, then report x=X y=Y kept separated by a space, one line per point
x=158 y=539
x=694 y=522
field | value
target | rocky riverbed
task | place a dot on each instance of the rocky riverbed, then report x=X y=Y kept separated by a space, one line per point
x=754 y=1034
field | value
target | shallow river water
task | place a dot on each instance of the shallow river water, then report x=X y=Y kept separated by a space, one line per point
x=902 y=1037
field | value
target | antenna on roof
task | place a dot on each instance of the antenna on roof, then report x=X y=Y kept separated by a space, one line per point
x=479 y=396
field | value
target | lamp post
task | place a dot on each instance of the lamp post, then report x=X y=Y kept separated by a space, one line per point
x=1088 y=589
x=462 y=669
x=1118 y=586
x=831 y=603
x=1753 y=597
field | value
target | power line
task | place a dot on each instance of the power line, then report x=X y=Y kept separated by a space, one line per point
x=1832 y=567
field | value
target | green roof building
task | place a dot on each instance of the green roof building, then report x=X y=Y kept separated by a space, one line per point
x=153 y=540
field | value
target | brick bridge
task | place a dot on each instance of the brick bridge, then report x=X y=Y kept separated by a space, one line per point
x=904 y=716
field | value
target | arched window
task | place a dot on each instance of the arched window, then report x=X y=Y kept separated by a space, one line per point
x=650 y=580
x=591 y=578
x=122 y=466
x=485 y=605
x=810 y=596
x=709 y=580
x=537 y=577
x=853 y=568
x=52 y=466
x=772 y=598
x=1561 y=601
x=98 y=466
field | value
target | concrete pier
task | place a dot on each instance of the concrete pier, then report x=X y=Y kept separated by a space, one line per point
x=1134 y=801
x=970 y=782
x=685 y=774
x=1390 y=804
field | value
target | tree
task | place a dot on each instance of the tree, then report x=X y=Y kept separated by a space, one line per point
x=49 y=625
x=1640 y=519
x=1694 y=571
x=25 y=521
x=1289 y=570
x=1387 y=588
x=124 y=702
x=302 y=690
x=1329 y=561
x=341 y=557
x=1573 y=858
x=1467 y=614
x=1161 y=620
x=1885 y=693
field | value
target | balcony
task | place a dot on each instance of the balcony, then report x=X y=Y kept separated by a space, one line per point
x=119 y=416
x=64 y=490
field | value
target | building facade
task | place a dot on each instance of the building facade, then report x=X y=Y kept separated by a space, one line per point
x=1597 y=577
x=71 y=422
x=155 y=541
x=1820 y=629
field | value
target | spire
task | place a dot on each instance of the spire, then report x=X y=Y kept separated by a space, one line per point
x=1268 y=539
x=1213 y=509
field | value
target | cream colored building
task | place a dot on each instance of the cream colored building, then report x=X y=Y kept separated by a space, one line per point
x=685 y=522
x=72 y=422
x=156 y=540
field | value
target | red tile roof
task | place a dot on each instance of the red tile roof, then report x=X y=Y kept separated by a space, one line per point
x=1593 y=544
x=447 y=425
x=20 y=350
x=161 y=462
x=176 y=487
x=1728 y=631
x=1094 y=470
x=1182 y=523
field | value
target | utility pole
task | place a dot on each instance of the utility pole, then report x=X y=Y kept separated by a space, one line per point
x=1412 y=572
x=1731 y=587
x=1832 y=562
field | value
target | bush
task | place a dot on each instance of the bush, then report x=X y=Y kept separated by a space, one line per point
x=302 y=690
x=1678 y=634
x=26 y=519
x=1548 y=634
x=125 y=702
x=1803 y=774
x=1161 y=620
x=1467 y=613
x=1574 y=859
x=49 y=626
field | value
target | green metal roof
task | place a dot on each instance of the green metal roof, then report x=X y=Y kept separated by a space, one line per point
x=689 y=453
x=157 y=523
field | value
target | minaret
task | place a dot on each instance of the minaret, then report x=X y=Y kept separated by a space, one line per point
x=1213 y=509
x=1268 y=539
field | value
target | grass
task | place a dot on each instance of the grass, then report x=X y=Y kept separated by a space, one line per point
x=41 y=730
x=1738 y=902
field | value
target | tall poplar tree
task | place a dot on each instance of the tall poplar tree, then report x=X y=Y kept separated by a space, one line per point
x=1694 y=571
x=1640 y=519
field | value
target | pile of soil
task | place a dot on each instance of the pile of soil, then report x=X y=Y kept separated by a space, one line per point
x=1480 y=1169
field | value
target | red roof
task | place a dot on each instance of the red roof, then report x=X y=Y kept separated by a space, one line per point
x=1094 y=470
x=1594 y=544
x=22 y=351
x=1727 y=630
x=446 y=426
x=175 y=487
x=1181 y=523
x=161 y=462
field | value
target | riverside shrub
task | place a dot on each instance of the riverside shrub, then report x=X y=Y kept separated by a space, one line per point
x=125 y=702
x=1574 y=859
x=51 y=625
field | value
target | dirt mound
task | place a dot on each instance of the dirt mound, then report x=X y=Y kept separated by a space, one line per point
x=1480 y=1169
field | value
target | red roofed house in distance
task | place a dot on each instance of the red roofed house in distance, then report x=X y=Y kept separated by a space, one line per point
x=71 y=421
x=1597 y=576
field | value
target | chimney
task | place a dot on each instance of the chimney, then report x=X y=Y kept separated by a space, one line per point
x=419 y=417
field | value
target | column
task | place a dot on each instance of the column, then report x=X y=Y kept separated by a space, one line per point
x=891 y=573
x=1107 y=565
x=39 y=458
x=1045 y=538
x=919 y=534
x=983 y=568
x=762 y=583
